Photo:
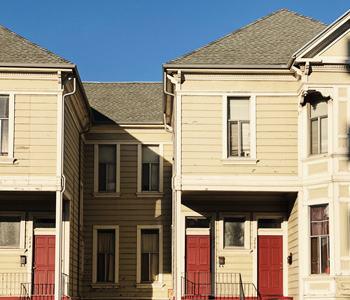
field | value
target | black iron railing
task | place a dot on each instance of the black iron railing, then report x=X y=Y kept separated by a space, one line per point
x=206 y=285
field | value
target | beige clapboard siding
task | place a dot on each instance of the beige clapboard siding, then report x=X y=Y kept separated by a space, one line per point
x=276 y=131
x=35 y=136
x=128 y=211
x=293 y=243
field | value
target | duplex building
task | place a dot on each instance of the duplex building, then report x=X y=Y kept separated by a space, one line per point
x=228 y=180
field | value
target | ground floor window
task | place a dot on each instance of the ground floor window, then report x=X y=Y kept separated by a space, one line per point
x=149 y=244
x=319 y=218
x=105 y=254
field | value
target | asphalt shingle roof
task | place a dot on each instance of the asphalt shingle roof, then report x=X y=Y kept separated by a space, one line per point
x=271 y=40
x=126 y=102
x=18 y=50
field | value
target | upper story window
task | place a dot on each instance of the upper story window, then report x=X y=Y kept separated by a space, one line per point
x=319 y=126
x=106 y=165
x=4 y=125
x=239 y=130
x=238 y=119
x=150 y=168
x=319 y=219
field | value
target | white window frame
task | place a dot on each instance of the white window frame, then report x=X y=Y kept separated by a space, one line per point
x=9 y=158
x=140 y=192
x=226 y=159
x=96 y=284
x=222 y=217
x=319 y=142
x=22 y=232
x=139 y=283
x=96 y=167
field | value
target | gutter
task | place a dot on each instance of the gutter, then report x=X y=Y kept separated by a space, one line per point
x=221 y=66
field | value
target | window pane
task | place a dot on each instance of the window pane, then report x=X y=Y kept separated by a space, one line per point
x=245 y=140
x=145 y=267
x=107 y=154
x=318 y=108
x=325 y=255
x=4 y=107
x=145 y=176
x=234 y=232
x=4 y=136
x=233 y=138
x=154 y=266
x=10 y=231
x=150 y=154
x=324 y=135
x=238 y=109
x=315 y=257
x=319 y=213
x=155 y=176
x=111 y=184
x=102 y=177
x=314 y=136
x=105 y=255
x=149 y=241
x=270 y=223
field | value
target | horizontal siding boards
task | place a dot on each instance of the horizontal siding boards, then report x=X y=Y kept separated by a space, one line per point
x=35 y=136
x=128 y=211
x=276 y=131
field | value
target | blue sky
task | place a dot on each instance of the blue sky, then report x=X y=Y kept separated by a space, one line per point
x=129 y=40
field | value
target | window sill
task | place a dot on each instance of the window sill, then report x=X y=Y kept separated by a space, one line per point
x=239 y=161
x=105 y=285
x=106 y=195
x=149 y=285
x=236 y=250
x=13 y=250
x=150 y=194
x=5 y=160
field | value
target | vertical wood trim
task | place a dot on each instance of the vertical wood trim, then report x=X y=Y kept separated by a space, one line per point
x=118 y=168
x=139 y=167
x=224 y=128
x=11 y=129
x=253 y=126
x=94 y=254
x=161 y=162
x=96 y=168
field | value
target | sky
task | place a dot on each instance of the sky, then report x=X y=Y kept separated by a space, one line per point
x=129 y=40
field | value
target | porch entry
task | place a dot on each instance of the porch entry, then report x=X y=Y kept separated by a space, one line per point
x=270 y=258
x=43 y=284
x=198 y=244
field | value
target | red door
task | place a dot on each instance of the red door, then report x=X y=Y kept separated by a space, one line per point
x=270 y=266
x=198 y=265
x=44 y=266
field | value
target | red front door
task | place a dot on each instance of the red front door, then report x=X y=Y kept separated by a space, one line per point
x=270 y=265
x=44 y=266
x=198 y=265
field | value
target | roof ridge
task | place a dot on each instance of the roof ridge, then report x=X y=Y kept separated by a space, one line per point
x=243 y=28
x=33 y=44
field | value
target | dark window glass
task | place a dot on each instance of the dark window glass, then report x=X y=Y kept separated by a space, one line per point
x=149 y=255
x=234 y=232
x=107 y=168
x=270 y=223
x=105 y=255
x=10 y=230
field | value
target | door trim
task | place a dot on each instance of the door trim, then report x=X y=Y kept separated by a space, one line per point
x=283 y=232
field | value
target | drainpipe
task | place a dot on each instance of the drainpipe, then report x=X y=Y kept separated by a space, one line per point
x=59 y=200
x=79 y=205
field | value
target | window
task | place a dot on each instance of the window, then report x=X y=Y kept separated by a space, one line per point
x=150 y=168
x=149 y=254
x=4 y=125
x=105 y=254
x=239 y=130
x=235 y=231
x=106 y=169
x=12 y=230
x=319 y=218
x=319 y=127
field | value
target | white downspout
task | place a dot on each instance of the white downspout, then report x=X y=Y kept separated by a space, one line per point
x=59 y=202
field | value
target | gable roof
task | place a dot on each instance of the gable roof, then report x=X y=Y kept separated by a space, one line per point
x=17 y=50
x=126 y=102
x=271 y=40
